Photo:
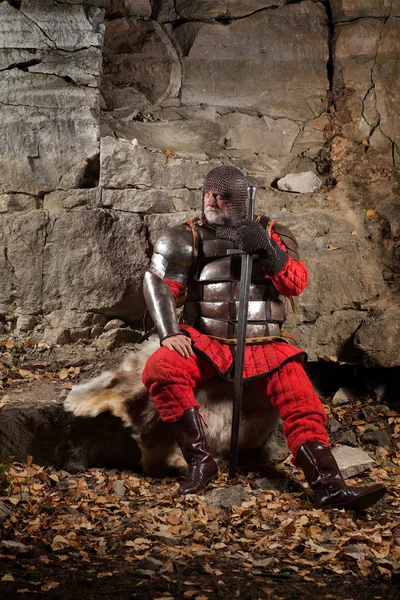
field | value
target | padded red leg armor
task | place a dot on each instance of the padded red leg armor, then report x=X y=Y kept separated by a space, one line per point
x=292 y=394
x=170 y=379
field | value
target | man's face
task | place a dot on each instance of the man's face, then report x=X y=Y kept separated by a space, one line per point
x=216 y=209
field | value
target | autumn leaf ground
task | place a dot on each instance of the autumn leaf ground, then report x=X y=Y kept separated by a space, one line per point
x=111 y=534
x=71 y=536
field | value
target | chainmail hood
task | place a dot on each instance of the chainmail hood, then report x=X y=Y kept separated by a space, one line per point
x=232 y=183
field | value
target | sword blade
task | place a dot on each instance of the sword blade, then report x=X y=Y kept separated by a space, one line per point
x=244 y=291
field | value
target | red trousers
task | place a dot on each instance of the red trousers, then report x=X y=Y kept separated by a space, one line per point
x=171 y=378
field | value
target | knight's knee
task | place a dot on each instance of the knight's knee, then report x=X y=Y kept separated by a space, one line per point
x=158 y=365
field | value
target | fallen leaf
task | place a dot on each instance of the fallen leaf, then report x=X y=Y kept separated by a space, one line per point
x=9 y=344
x=24 y=373
x=52 y=585
x=7 y=577
x=384 y=572
x=59 y=543
x=370 y=213
x=290 y=528
x=333 y=247
x=168 y=152
x=354 y=232
x=4 y=399
x=63 y=374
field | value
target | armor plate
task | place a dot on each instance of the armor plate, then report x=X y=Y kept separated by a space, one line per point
x=213 y=300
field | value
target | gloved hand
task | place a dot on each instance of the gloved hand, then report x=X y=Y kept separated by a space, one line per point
x=252 y=238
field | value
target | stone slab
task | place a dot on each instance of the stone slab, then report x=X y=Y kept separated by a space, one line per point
x=189 y=135
x=125 y=165
x=274 y=137
x=152 y=201
x=211 y=9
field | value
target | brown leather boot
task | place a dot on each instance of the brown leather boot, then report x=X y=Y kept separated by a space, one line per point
x=189 y=434
x=324 y=478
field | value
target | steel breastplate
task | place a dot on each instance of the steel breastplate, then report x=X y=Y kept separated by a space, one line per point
x=212 y=303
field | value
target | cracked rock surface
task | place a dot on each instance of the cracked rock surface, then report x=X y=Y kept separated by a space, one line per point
x=113 y=111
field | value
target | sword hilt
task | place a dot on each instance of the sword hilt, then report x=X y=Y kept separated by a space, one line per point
x=251 y=194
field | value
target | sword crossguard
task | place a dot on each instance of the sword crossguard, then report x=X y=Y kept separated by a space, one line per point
x=234 y=251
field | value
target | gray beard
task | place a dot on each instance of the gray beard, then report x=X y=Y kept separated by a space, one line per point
x=215 y=216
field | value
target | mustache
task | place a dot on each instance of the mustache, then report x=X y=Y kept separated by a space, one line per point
x=214 y=208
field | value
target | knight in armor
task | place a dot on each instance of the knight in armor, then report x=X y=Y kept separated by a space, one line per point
x=191 y=261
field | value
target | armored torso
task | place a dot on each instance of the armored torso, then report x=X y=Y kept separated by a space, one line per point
x=212 y=303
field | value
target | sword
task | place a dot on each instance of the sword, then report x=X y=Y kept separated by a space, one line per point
x=244 y=290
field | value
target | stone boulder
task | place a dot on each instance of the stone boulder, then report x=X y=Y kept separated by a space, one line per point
x=303 y=183
x=378 y=338
x=141 y=66
x=349 y=10
x=344 y=277
x=48 y=118
x=270 y=53
x=102 y=269
x=44 y=431
x=365 y=81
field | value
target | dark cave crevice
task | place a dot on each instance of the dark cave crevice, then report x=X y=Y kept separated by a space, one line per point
x=15 y=3
x=91 y=175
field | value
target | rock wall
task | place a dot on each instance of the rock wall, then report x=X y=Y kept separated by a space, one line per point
x=112 y=113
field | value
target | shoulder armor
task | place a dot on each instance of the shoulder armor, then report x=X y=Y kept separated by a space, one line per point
x=174 y=253
x=288 y=239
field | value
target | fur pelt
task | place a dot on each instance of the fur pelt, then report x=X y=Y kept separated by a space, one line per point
x=123 y=394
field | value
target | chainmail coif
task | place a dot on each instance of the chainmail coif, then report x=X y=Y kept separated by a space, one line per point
x=232 y=183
